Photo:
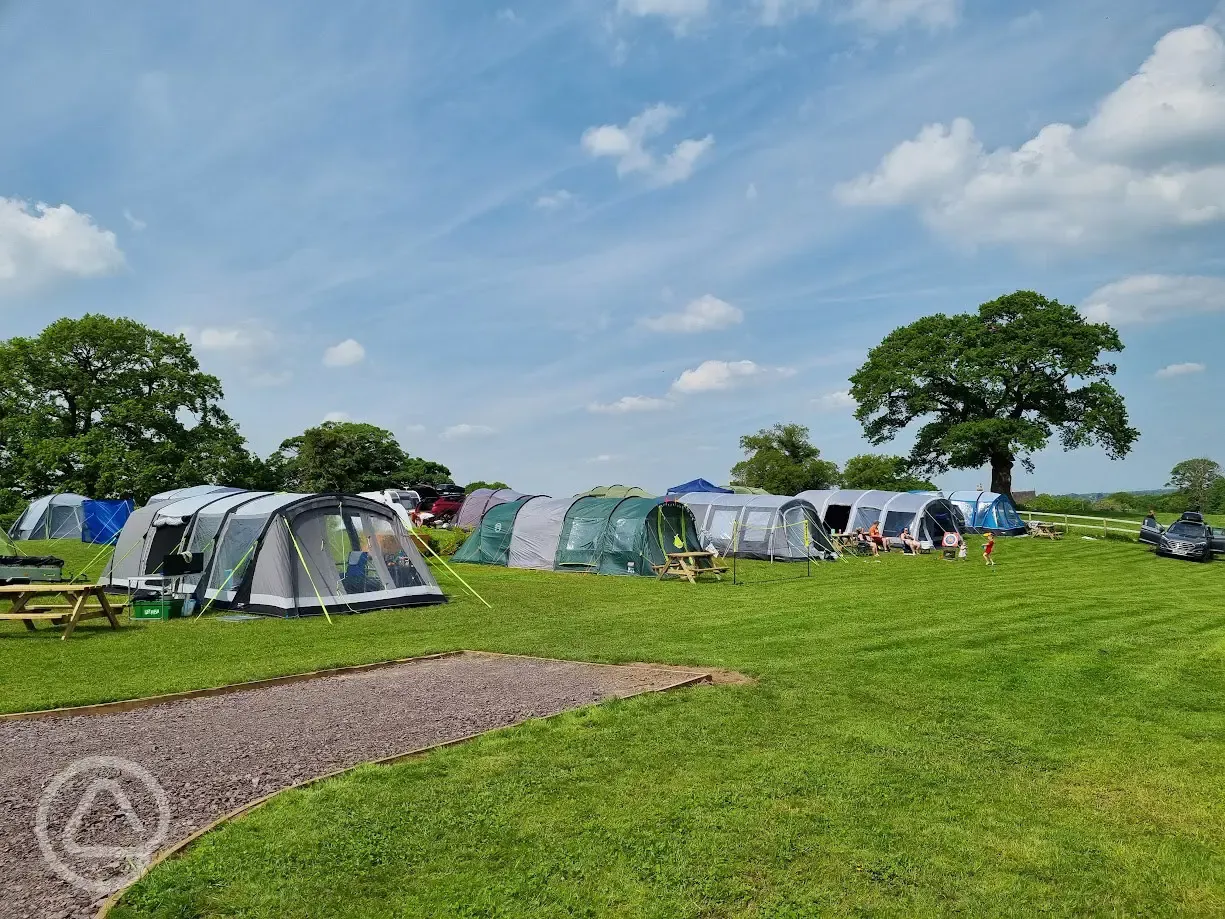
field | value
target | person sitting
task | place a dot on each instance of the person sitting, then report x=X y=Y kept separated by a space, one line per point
x=878 y=540
x=909 y=543
x=865 y=544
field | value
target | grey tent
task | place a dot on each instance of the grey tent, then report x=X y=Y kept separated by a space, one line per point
x=163 y=527
x=759 y=526
x=927 y=516
x=482 y=499
x=302 y=555
x=51 y=517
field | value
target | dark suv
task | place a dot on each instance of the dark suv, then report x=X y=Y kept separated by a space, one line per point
x=1189 y=537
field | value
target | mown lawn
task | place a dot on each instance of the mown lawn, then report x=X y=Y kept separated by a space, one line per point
x=926 y=738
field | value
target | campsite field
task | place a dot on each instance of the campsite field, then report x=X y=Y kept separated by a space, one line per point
x=925 y=738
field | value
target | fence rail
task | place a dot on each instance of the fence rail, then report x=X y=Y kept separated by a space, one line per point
x=1101 y=525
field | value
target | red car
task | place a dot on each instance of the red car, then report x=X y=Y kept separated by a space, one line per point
x=440 y=510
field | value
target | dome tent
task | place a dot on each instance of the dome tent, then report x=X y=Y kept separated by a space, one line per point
x=772 y=527
x=592 y=534
x=69 y=516
x=989 y=511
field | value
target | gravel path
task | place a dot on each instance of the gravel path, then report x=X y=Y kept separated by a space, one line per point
x=214 y=754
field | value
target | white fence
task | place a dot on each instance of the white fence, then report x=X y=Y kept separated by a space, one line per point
x=1103 y=525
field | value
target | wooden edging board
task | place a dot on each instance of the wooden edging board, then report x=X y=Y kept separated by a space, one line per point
x=687 y=678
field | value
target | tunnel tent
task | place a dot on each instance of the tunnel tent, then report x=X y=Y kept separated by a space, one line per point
x=190 y=491
x=480 y=501
x=928 y=517
x=593 y=534
x=772 y=527
x=156 y=530
x=989 y=511
x=838 y=508
x=616 y=491
x=698 y=485
x=290 y=555
x=489 y=543
x=746 y=490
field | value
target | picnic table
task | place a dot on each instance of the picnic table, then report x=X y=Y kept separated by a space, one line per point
x=77 y=609
x=689 y=565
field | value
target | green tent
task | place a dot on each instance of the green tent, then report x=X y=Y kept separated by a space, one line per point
x=591 y=534
x=745 y=490
x=616 y=491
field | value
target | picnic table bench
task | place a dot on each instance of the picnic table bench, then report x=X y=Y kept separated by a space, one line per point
x=1044 y=530
x=77 y=609
x=689 y=565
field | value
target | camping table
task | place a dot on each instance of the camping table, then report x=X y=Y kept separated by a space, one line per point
x=65 y=614
x=1045 y=530
x=689 y=565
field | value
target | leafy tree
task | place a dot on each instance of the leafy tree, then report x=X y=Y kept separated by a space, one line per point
x=349 y=456
x=417 y=471
x=1194 y=479
x=110 y=408
x=783 y=461
x=888 y=473
x=341 y=456
x=1215 y=504
x=473 y=486
x=995 y=386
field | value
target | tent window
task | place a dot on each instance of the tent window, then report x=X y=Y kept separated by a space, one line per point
x=233 y=555
x=63 y=522
x=721 y=523
x=395 y=554
x=584 y=534
x=757 y=526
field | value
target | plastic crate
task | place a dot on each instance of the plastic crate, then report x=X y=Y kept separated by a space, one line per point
x=155 y=610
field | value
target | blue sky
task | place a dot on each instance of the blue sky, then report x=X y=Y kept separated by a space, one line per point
x=567 y=242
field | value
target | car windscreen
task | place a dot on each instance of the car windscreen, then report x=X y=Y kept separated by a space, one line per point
x=1185 y=529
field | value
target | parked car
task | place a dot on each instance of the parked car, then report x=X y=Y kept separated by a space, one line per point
x=439 y=511
x=1189 y=537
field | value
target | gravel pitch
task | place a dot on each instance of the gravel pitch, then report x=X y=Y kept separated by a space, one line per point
x=212 y=755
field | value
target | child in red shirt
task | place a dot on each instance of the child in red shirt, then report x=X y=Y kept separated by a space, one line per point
x=988 y=548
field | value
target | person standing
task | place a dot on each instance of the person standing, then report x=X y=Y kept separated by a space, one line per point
x=988 y=548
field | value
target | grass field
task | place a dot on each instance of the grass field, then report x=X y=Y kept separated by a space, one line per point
x=926 y=738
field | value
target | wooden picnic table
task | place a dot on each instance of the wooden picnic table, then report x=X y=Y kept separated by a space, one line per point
x=1044 y=530
x=77 y=609
x=689 y=565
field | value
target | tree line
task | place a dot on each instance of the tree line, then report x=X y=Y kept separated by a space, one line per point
x=109 y=408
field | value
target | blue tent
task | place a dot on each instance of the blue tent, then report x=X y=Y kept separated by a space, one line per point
x=102 y=520
x=698 y=485
x=988 y=511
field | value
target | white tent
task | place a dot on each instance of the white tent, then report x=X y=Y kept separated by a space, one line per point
x=927 y=516
x=759 y=526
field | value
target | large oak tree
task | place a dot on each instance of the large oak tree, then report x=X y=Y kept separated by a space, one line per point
x=995 y=386
x=348 y=456
x=783 y=461
x=111 y=408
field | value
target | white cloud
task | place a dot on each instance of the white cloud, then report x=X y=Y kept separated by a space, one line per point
x=345 y=354
x=1180 y=370
x=336 y=416
x=508 y=15
x=750 y=193
x=711 y=376
x=133 y=221
x=555 y=200
x=463 y=431
x=1150 y=160
x=602 y=458
x=704 y=314
x=237 y=339
x=836 y=401
x=414 y=429
x=39 y=244
x=627 y=145
x=269 y=378
x=1155 y=297
x=679 y=12
x=628 y=404
x=891 y=15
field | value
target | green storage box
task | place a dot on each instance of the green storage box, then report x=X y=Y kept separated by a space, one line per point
x=157 y=609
